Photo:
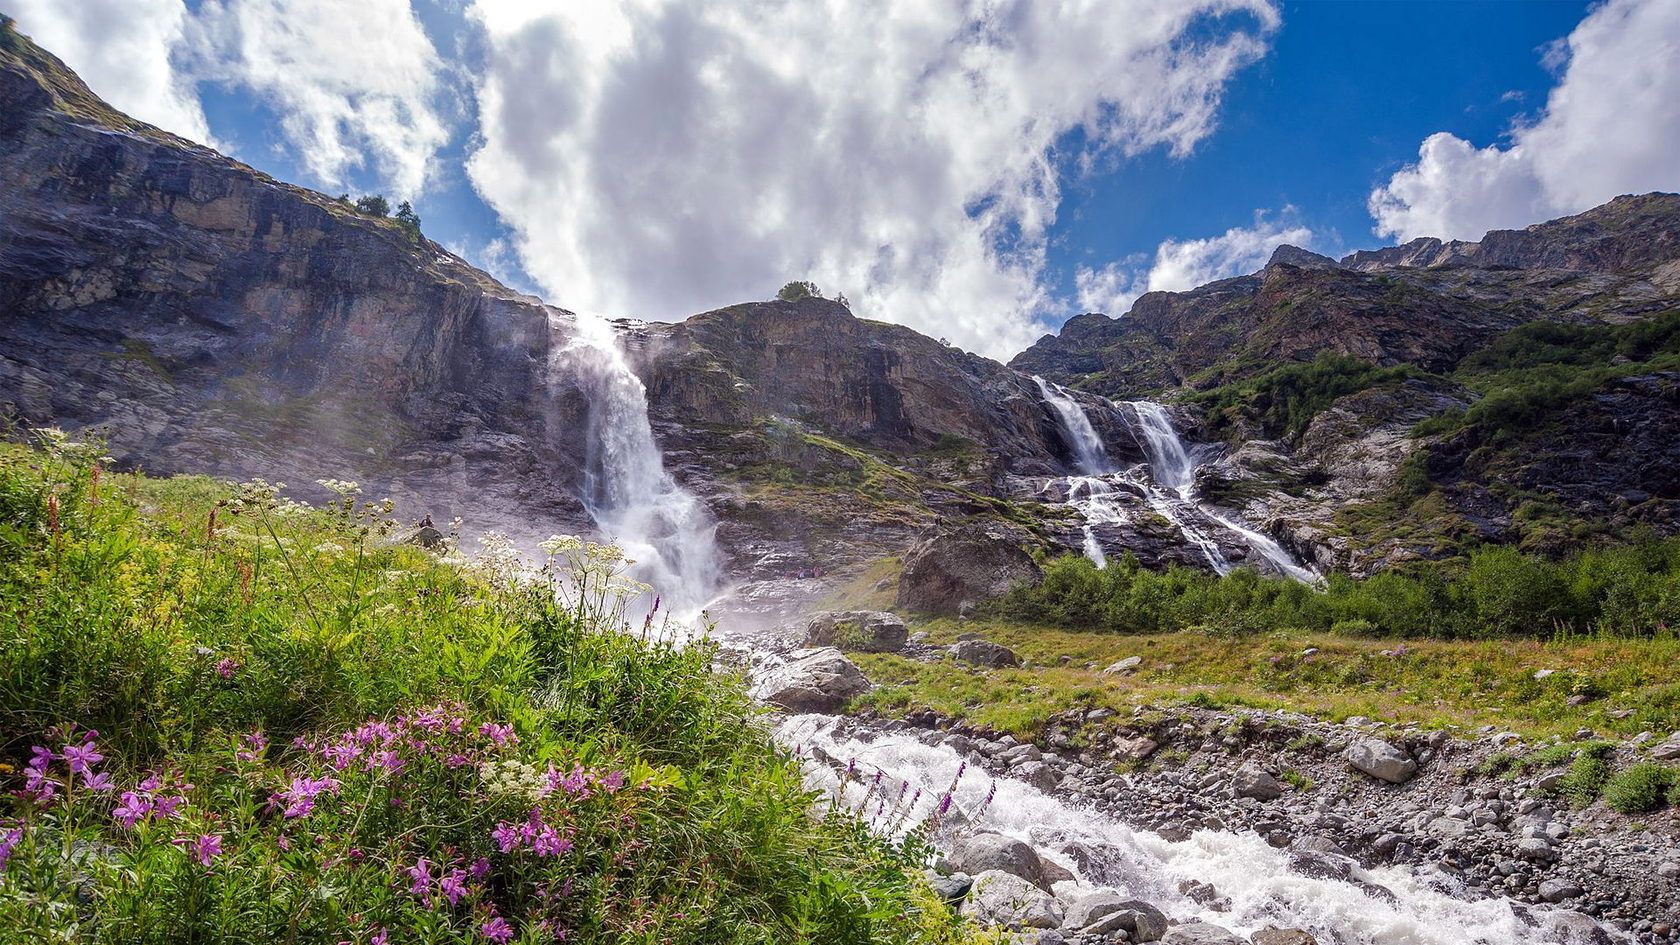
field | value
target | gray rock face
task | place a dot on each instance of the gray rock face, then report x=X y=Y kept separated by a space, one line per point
x=1379 y=759
x=985 y=653
x=817 y=680
x=1200 y=933
x=859 y=631
x=984 y=852
x=1252 y=782
x=977 y=560
x=1006 y=899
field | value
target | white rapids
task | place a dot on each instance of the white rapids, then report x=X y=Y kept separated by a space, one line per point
x=1256 y=878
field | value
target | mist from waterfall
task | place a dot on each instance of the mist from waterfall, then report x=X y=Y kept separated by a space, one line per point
x=634 y=501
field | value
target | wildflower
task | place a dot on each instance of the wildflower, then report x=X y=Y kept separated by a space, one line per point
x=228 y=667
x=98 y=781
x=167 y=805
x=379 y=937
x=500 y=734
x=251 y=747
x=40 y=758
x=454 y=886
x=507 y=836
x=204 y=849
x=9 y=842
x=496 y=929
x=479 y=869
x=613 y=781
x=421 y=874
x=133 y=807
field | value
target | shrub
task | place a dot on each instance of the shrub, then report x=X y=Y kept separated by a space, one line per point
x=1639 y=789
x=1587 y=775
x=374 y=205
x=794 y=291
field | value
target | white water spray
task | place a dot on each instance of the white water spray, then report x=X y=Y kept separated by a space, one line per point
x=1257 y=879
x=1090 y=456
x=635 y=502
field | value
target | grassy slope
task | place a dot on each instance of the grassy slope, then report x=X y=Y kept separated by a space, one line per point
x=179 y=625
x=1436 y=682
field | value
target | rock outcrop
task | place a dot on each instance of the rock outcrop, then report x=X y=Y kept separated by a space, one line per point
x=964 y=564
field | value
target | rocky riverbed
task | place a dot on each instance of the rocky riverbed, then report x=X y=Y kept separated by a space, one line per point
x=1476 y=816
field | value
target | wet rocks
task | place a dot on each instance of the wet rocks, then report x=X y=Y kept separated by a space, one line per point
x=1277 y=936
x=964 y=564
x=1381 y=760
x=1140 y=921
x=985 y=653
x=1252 y=782
x=1091 y=906
x=1200 y=933
x=1002 y=898
x=988 y=852
x=858 y=631
x=813 y=680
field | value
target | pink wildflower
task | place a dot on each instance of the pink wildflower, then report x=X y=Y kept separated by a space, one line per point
x=496 y=929
x=37 y=784
x=454 y=886
x=8 y=843
x=379 y=937
x=98 y=781
x=82 y=757
x=421 y=873
x=204 y=849
x=134 y=806
x=506 y=835
x=500 y=734
x=228 y=667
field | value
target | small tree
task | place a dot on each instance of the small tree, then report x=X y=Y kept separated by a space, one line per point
x=794 y=291
x=409 y=222
x=373 y=205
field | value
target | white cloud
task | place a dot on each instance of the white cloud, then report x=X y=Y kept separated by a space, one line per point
x=656 y=157
x=1611 y=126
x=353 y=84
x=121 y=49
x=1185 y=264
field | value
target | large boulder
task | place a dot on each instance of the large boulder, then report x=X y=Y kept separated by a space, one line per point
x=1252 y=782
x=985 y=653
x=964 y=564
x=984 y=852
x=859 y=631
x=1379 y=759
x=1092 y=906
x=1001 y=898
x=814 y=680
x=1140 y=921
x=1200 y=933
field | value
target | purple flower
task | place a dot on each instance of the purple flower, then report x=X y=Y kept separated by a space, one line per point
x=496 y=929
x=613 y=781
x=454 y=886
x=82 y=757
x=548 y=842
x=300 y=797
x=228 y=667
x=506 y=835
x=421 y=873
x=37 y=784
x=42 y=757
x=251 y=747
x=479 y=869
x=500 y=734
x=204 y=849
x=167 y=806
x=8 y=842
x=98 y=781
x=133 y=807
x=379 y=937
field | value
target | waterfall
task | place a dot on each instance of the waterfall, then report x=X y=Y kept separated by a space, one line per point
x=1090 y=456
x=634 y=501
x=1262 y=888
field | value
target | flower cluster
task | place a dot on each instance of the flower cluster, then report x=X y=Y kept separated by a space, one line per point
x=49 y=773
x=152 y=799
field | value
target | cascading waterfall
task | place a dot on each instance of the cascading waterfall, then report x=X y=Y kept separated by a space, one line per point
x=634 y=501
x=1257 y=879
x=1089 y=453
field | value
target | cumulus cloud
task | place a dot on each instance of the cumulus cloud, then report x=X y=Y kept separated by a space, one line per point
x=123 y=50
x=1186 y=264
x=1610 y=126
x=656 y=157
x=353 y=84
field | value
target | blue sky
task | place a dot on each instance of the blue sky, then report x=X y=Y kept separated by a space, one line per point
x=978 y=169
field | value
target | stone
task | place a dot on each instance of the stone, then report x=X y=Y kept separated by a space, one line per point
x=988 y=852
x=426 y=536
x=1140 y=921
x=1135 y=749
x=1557 y=890
x=977 y=560
x=1381 y=760
x=815 y=680
x=950 y=887
x=1252 y=782
x=1127 y=665
x=1535 y=849
x=1092 y=906
x=1668 y=749
x=1006 y=899
x=858 y=631
x=1277 y=936
x=1200 y=933
x=985 y=653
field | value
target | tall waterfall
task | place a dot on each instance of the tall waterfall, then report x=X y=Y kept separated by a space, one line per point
x=1090 y=456
x=635 y=502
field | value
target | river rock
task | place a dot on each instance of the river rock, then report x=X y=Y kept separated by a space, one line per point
x=988 y=852
x=985 y=653
x=1557 y=890
x=860 y=631
x=1252 y=782
x=1200 y=933
x=814 y=680
x=1135 y=749
x=1092 y=906
x=1140 y=921
x=1277 y=936
x=1006 y=899
x=1379 y=759
x=977 y=560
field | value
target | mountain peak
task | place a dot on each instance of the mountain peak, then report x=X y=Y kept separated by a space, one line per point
x=1288 y=255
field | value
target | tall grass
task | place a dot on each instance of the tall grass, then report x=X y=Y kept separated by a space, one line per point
x=226 y=716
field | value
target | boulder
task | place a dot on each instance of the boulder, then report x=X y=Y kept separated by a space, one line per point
x=985 y=653
x=1667 y=749
x=1252 y=782
x=1557 y=890
x=1140 y=921
x=1200 y=933
x=1091 y=907
x=1127 y=665
x=1381 y=760
x=815 y=680
x=1135 y=749
x=977 y=560
x=425 y=536
x=987 y=852
x=858 y=631
x=1002 y=898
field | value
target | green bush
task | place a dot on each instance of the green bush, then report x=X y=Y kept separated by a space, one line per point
x=1640 y=789
x=1285 y=399
x=1587 y=775
x=794 y=291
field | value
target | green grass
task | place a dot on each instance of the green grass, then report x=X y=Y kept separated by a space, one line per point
x=226 y=645
x=1640 y=789
x=1438 y=683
